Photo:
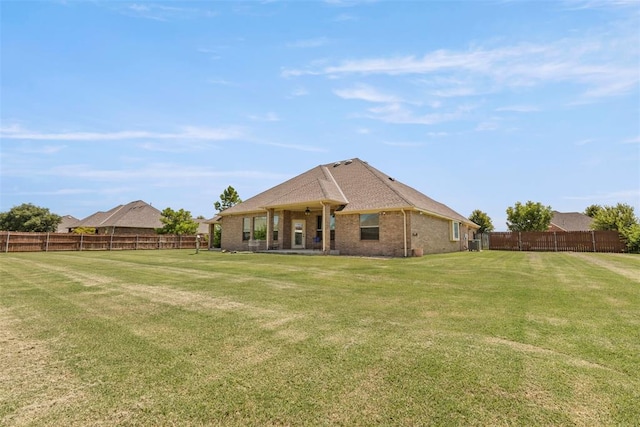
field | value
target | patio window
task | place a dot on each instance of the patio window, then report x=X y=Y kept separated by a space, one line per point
x=276 y=220
x=260 y=228
x=455 y=231
x=332 y=227
x=246 y=229
x=369 y=227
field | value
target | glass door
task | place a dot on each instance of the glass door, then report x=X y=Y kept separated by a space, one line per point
x=298 y=234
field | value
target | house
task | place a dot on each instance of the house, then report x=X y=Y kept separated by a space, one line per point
x=348 y=208
x=570 y=221
x=133 y=218
x=67 y=224
x=203 y=226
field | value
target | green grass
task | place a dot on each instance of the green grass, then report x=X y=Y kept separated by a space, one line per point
x=173 y=338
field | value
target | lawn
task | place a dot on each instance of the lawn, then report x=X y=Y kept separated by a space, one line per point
x=174 y=338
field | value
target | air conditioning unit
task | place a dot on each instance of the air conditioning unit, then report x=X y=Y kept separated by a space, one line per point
x=475 y=245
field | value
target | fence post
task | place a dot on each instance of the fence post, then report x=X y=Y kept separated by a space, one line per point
x=46 y=246
x=593 y=239
x=179 y=241
x=519 y=240
x=137 y=242
x=81 y=240
x=6 y=247
x=555 y=241
x=111 y=241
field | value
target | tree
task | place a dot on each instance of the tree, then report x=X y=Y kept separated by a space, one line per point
x=29 y=217
x=228 y=198
x=592 y=211
x=177 y=222
x=483 y=220
x=84 y=230
x=620 y=218
x=529 y=217
x=615 y=218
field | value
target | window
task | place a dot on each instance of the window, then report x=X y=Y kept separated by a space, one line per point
x=276 y=220
x=246 y=228
x=332 y=227
x=455 y=230
x=260 y=228
x=369 y=227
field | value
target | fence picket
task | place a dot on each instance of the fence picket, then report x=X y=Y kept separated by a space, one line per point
x=574 y=241
x=37 y=242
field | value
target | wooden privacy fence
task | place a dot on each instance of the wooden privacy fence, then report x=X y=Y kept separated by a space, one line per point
x=558 y=241
x=12 y=241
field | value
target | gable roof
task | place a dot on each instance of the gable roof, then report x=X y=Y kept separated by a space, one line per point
x=67 y=222
x=136 y=214
x=571 y=221
x=352 y=183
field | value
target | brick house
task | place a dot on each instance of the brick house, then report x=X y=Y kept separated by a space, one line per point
x=570 y=221
x=133 y=218
x=347 y=208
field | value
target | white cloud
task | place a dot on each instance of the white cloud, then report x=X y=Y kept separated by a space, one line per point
x=299 y=91
x=635 y=140
x=186 y=133
x=399 y=114
x=366 y=93
x=46 y=149
x=269 y=117
x=584 y=142
x=150 y=172
x=344 y=17
x=519 y=108
x=602 y=65
x=309 y=43
x=161 y=12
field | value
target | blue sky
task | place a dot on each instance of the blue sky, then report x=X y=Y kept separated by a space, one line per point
x=476 y=104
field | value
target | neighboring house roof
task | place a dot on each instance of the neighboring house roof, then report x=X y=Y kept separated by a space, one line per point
x=136 y=214
x=570 y=221
x=203 y=226
x=67 y=222
x=352 y=183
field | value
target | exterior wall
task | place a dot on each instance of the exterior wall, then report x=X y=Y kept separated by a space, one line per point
x=390 y=243
x=425 y=234
x=231 y=237
x=432 y=235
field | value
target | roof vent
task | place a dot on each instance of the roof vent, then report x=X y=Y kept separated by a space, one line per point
x=336 y=164
x=391 y=179
x=348 y=162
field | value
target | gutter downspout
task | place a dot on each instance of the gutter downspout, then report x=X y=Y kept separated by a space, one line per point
x=324 y=231
x=404 y=217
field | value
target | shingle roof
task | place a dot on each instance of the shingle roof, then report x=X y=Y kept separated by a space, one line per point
x=136 y=214
x=353 y=183
x=571 y=221
x=67 y=222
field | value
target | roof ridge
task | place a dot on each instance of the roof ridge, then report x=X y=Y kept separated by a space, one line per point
x=328 y=174
x=117 y=209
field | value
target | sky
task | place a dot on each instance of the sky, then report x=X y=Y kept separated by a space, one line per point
x=477 y=104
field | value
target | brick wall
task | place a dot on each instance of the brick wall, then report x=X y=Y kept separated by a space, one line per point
x=390 y=243
x=432 y=234
x=232 y=234
x=428 y=233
